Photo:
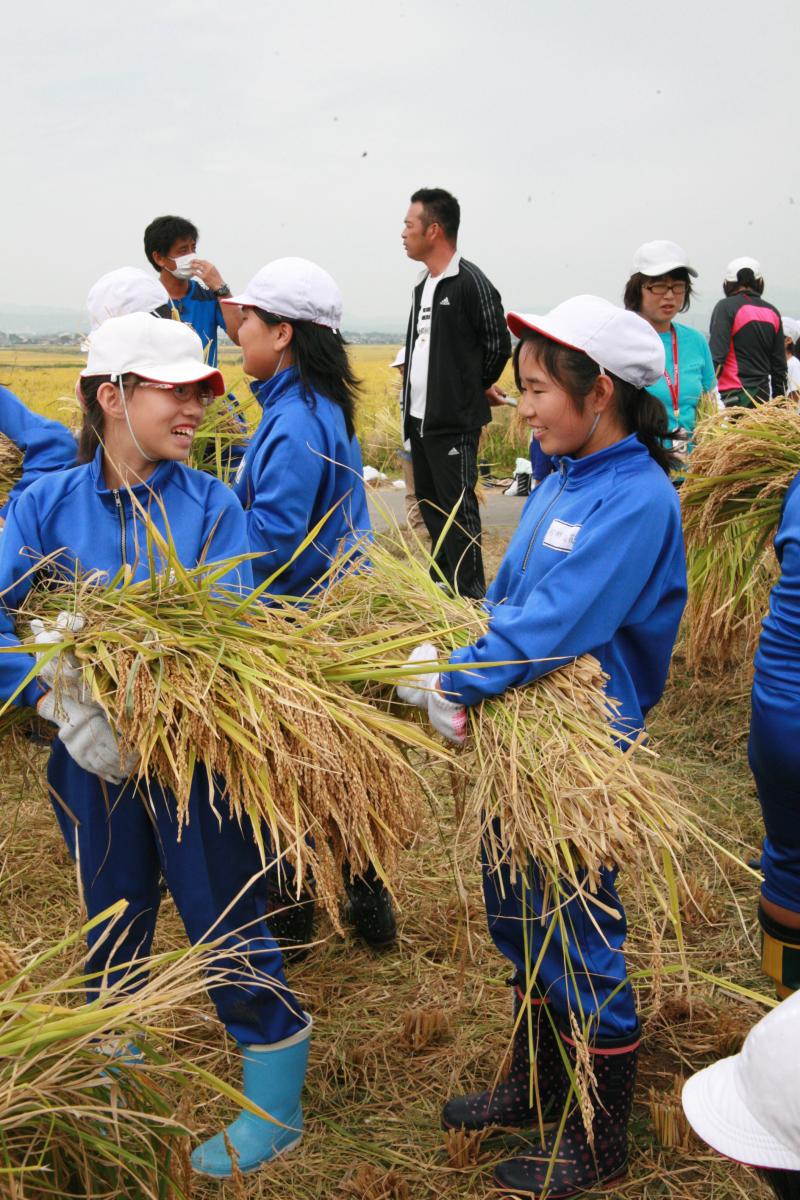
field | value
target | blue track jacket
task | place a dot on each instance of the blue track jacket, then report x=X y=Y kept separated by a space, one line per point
x=46 y=445
x=299 y=465
x=777 y=662
x=95 y=528
x=596 y=566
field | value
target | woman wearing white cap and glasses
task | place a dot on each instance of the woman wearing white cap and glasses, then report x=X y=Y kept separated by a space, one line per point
x=747 y=1107
x=747 y=338
x=596 y=566
x=302 y=470
x=660 y=287
x=143 y=391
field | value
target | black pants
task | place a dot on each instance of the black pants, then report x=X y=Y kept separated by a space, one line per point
x=445 y=474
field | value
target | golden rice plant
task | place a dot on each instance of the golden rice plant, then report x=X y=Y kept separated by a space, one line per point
x=222 y=432
x=739 y=471
x=10 y=467
x=258 y=697
x=81 y=1112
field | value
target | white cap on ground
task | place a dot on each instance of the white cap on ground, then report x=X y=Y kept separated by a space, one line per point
x=739 y=264
x=620 y=342
x=659 y=258
x=164 y=351
x=400 y=358
x=125 y=290
x=296 y=289
x=747 y=1107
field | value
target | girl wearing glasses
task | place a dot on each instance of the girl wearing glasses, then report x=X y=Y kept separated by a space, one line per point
x=659 y=288
x=143 y=393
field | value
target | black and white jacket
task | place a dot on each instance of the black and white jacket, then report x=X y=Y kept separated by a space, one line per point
x=469 y=346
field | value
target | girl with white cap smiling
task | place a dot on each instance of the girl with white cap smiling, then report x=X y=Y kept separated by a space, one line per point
x=596 y=566
x=303 y=471
x=143 y=391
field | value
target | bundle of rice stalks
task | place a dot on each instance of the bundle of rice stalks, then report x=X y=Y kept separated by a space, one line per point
x=10 y=467
x=547 y=781
x=742 y=464
x=220 y=438
x=190 y=676
x=85 y=1104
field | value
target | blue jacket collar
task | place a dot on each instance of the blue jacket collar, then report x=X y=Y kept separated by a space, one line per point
x=630 y=449
x=267 y=391
x=163 y=472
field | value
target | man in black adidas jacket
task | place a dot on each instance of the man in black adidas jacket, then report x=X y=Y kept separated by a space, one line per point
x=456 y=347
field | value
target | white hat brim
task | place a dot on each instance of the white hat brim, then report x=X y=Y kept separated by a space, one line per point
x=187 y=371
x=715 y=1111
x=668 y=265
x=516 y=322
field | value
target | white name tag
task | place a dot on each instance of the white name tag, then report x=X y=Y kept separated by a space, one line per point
x=561 y=536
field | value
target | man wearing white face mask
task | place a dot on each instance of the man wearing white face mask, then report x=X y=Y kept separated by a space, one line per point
x=194 y=286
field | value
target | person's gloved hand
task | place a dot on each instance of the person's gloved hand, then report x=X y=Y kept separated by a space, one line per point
x=449 y=719
x=88 y=737
x=65 y=666
x=418 y=688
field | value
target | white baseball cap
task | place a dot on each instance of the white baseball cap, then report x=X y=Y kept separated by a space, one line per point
x=126 y=290
x=619 y=341
x=296 y=289
x=400 y=358
x=659 y=258
x=161 y=350
x=739 y=264
x=747 y=1107
x=791 y=328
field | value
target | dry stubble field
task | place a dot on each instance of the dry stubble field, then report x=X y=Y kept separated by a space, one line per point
x=396 y=1035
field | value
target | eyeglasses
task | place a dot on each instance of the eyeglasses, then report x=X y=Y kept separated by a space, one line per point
x=661 y=289
x=183 y=391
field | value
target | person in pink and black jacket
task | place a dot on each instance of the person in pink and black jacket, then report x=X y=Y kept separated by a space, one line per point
x=746 y=339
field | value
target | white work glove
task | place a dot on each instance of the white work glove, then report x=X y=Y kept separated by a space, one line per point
x=447 y=718
x=88 y=737
x=419 y=687
x=64 y=666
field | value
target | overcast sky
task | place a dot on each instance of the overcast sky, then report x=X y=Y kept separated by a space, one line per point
x=570 y=132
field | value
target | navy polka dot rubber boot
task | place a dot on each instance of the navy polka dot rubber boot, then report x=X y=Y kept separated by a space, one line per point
x=571 y=1165
x=507 y=1104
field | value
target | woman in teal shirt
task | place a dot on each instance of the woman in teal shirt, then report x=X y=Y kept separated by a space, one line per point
x=659 y=288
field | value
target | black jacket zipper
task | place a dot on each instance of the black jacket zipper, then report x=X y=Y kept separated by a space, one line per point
x=122 y=537
x=563 y=472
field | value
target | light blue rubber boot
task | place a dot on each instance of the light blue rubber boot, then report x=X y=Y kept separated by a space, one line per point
x=273 y=1079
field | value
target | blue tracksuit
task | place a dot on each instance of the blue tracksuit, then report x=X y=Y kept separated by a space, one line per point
x=126 y=837
x=46 y=445
x=596 y=566
x=299 y=466
x=774 y=748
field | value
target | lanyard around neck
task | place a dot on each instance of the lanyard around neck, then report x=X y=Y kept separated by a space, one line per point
x=674 y=384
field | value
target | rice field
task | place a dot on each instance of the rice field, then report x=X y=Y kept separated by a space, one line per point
x=396 y=1035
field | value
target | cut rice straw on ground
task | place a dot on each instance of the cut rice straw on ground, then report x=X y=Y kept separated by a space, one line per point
x=10 y=467
x=743 y=462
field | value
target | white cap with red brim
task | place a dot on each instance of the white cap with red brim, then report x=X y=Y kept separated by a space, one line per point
x=161 y=350
x=620 y=342
x=747 y=1107
x=296 y=289
x=125 y=290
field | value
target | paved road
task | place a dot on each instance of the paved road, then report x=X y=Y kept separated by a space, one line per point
x=498 y=512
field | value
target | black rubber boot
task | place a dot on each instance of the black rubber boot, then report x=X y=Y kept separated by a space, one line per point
x=507 y=1104
x=369 y=910
x=290 y=920
x=576 y=1167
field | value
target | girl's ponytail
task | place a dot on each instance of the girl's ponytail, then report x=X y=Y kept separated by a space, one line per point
x=645 y=415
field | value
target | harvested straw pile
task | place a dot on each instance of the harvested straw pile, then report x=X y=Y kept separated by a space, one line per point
x=222 y=432
x=547 y=780
x=743 y=462
x=188 y=676
x=10 y=467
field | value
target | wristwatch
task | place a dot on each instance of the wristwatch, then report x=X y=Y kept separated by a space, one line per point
x=222 y=291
